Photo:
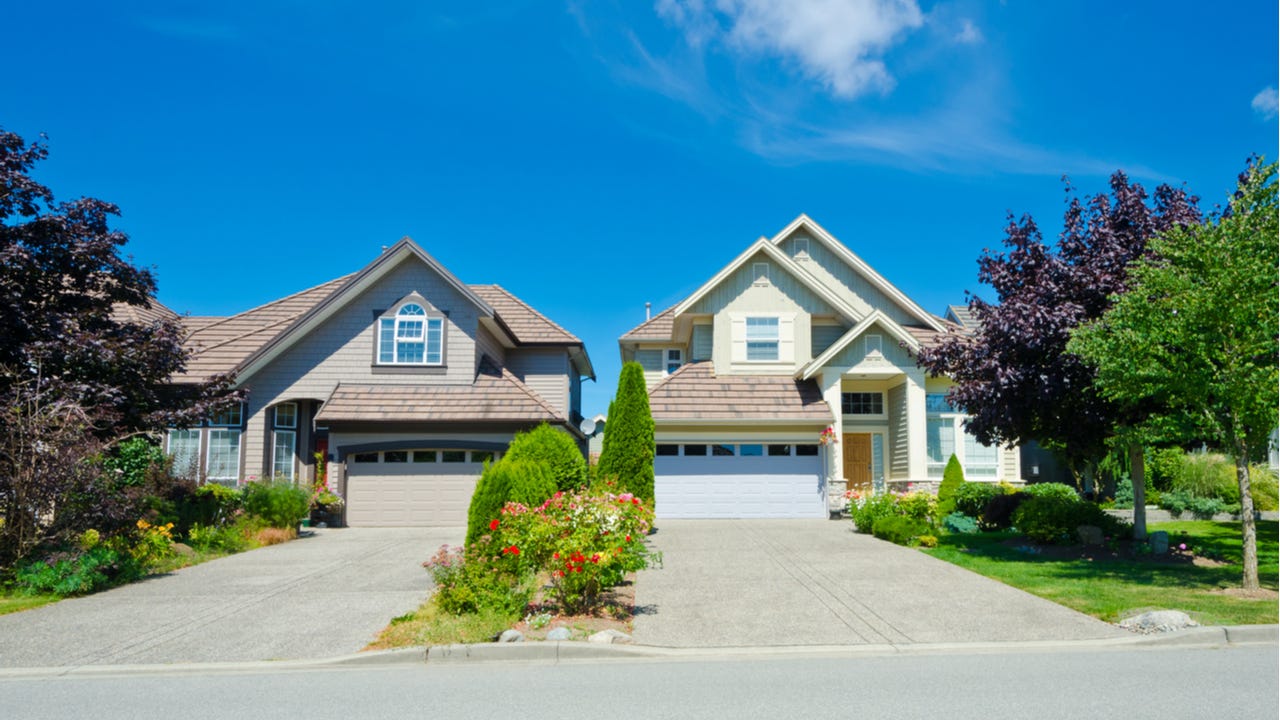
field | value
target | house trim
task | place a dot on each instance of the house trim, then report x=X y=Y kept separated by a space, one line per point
x=816 y=365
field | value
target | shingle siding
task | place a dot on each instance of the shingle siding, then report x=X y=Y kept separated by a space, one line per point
x=846 y=282
x=546 y=372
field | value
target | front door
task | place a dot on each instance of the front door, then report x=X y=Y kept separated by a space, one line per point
x=857 y=462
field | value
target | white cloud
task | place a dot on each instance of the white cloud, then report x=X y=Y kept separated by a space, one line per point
x=969 y=33
x=838 y=43
x=1265 y=103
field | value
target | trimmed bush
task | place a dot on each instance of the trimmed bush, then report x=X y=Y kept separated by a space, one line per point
x=921 y=507
x=529 y=482
x=1052 y=489
x=960 y=524
x=952 y=479
x=1051 y=518
x=628 y=450
x=998 y=514
x=279 y=504
x=867 y=510
x=900 y=530
x=971 y=498
x=1178 y=502
x=487 y=500
x=554 y=449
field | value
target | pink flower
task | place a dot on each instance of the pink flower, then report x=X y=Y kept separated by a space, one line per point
x=1182 y=546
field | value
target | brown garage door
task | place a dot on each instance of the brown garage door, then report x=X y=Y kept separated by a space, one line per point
x=412 y=488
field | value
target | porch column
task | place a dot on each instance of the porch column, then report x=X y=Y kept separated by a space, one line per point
x=917 y=452
x=830 y=384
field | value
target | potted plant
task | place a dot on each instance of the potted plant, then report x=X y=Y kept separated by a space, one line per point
x=326 y=505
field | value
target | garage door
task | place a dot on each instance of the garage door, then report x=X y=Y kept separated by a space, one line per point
x=738 y=481
x=412 y=488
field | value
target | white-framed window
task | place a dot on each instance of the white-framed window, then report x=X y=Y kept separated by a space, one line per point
x=945 y=435
x=675 y=358
x=762 y=339
x=284 y=443
x=231 y=417
x=862 y=403
x=222 y=459
x=184 y=448
x=411 y=337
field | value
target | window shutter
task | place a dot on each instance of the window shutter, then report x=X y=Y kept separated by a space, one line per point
x=738 y=344
x=787 y=338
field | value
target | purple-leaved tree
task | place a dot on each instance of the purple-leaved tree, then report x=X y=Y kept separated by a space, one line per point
x=70 y=366
x=1014 y=376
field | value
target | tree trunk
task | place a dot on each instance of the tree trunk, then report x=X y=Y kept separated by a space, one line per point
x=1248 y=529
x=1137 y=476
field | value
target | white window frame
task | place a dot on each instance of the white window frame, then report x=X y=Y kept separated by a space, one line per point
x=961 y=439
x=672 y=357
x=187 y=464
x=763 y=340
x=284 y=466
x=233 y=435
x=411 y=324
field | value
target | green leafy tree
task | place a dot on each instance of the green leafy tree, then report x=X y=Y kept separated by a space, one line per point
x=1196 y=334
x=628 y=449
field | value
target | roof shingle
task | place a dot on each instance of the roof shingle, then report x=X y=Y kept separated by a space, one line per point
x=695 y=392
x=528 y=325
x=658 y=327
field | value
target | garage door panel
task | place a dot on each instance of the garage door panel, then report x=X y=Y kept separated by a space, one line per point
x=394 y=494
x=739 y=487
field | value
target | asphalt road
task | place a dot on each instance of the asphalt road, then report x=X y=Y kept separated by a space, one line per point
x=1133 y=684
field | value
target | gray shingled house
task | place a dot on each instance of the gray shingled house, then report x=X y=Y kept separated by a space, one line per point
x=403 y=377
x=790 y=377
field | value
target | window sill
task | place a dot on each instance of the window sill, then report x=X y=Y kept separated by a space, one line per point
x=409 y=369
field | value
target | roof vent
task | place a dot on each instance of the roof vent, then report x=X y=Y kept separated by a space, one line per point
x=648 y=312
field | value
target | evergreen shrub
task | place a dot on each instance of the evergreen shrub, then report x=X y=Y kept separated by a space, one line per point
x=554 y=449
x=952 y=479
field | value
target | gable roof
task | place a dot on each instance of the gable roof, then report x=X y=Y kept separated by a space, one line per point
x=876 y=317
x=962 y=316
x=695 y=394
x=786 y=263
x=147 y=314
x=859 y=266
x=226 y=344
x=658 y=327
x=495 y=396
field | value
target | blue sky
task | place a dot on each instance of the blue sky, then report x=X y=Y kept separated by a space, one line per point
x=594 y=156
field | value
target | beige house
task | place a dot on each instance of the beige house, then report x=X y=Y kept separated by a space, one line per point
x=403 y=378
x=795 y=336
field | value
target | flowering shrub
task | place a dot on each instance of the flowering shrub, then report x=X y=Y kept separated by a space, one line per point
x=151 y=543
x=920 y=507
x=584 y=542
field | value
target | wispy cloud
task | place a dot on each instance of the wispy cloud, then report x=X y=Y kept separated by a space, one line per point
x=969 y=33
x=1266 y=103
x=838 y=43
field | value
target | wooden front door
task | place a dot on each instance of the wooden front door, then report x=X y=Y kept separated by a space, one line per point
x=857 y=461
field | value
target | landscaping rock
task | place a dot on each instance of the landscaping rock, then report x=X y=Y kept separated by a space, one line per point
x=183 y=549
x=511 y=636
x=1091 y=535
x=610 y=637
x=560 y=633
x=1159 y=541
x=1158 y=621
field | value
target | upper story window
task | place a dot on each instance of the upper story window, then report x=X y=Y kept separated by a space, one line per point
x=762 y=338
x=937 y=403
x=675 y=358
x=862 y=403
x=231 y=417
x=410 y=337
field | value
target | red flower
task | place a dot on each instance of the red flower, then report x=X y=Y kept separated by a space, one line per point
x=555 y=556
x=628 y=538
x=513 y=550
x=493 y=524
x=595 y=558
x=635 y=501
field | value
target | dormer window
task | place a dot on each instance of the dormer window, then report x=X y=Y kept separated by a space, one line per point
x=675 y=358
x=410 y=336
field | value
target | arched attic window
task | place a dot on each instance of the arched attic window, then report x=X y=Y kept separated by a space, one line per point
x=410 y=336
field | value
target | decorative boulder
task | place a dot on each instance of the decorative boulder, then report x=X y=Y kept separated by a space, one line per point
x=1159 y=541
x=610 y=637
x=511 y=636
x=1158 y=621
x=1091 y=535
x=560 y=633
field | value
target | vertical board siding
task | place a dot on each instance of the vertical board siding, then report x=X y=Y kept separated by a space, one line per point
x=703 y=336
x=898 y=436
x=824 y=336
x=846 y=282
x=546 y=372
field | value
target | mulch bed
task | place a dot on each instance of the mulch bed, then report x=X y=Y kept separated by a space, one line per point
x=615 y=611
x=1117 y=550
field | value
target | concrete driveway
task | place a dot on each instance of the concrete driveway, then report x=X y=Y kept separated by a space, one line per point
x=327 y=593
x=815 y=582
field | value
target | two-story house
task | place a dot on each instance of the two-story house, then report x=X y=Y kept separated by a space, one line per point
x=794 y=337
x=403 y=379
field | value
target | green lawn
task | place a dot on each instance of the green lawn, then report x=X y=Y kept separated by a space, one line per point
x=13 y=603
x=1113 y=589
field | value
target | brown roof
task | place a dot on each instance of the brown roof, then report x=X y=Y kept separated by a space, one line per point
x=694 y=392
x=528 y=325
x=964 y=315
x=495 y=396
x=928 y=337
x=142 y=314
x=218 y=345
x=658 y=327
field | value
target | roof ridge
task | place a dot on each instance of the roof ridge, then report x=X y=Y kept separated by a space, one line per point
x=531 y=309
x=650 y=320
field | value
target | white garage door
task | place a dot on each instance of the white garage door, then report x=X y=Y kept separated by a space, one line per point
x=412 y=488
x=738 y=486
